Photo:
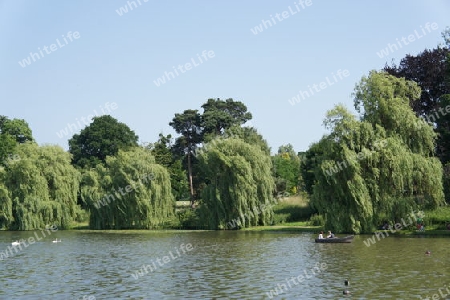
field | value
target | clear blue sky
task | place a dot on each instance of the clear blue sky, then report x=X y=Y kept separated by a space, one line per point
x=116 y=59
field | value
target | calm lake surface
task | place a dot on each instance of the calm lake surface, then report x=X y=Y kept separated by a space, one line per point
x=220 y=265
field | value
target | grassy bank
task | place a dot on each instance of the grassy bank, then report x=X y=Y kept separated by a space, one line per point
x=293 y=214
x=289 y=227
x=436 y=223
x=290 y=214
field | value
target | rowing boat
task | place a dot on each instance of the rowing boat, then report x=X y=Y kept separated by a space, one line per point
x=347 y=239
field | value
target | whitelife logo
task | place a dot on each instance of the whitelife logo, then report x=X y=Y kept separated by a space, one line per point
x=124 y=9
x=187 y=66
x=265 y=24
x=31 y=240
x=162 y=261
x=319 y=87
x=48 y=50
x=391 y=48
x=74 y=127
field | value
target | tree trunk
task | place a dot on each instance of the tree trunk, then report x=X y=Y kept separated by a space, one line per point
x=191 y=186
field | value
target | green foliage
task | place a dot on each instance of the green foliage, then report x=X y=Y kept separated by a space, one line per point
x=7 y=148
x=240 y=185
x=105 y=136
x=17 y=128
x=249 y=135
x=317 y=220
x=428 y=69
x=381 y=165
x=437 y=218
x=383 y=100
x=280 y=218
x=292 y=209
x=442 y=121
x=189 y=219
x=219 y=115
x=286 y=169
x=308 y=165
x=188 y=124
x=291 y=213
x=179 y=182
x=446 y=36
x=12 y=132
x=162 y=152
x=130 y=191
x=39 y=189
x=6 y=209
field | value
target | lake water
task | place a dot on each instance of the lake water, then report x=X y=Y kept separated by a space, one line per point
x=220 y=265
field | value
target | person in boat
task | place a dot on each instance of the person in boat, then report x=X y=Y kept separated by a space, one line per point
x=330 y=235
x=321 y=235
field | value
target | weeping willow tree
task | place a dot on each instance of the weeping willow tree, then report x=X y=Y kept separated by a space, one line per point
x=130 y=191
x=240 y=185
x=39 y=188
x=380 y=167
x=5 y=202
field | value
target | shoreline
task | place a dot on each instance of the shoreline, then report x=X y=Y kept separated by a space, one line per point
x=287 y=228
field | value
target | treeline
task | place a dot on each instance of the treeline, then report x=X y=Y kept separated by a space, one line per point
x=223 y=168
x=394 y=157
x=390 y=159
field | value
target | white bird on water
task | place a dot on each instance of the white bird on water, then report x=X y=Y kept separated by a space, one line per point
x=16 y=243
x=57 y=241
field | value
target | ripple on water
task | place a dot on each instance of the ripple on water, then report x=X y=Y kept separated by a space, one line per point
x=222 y=265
